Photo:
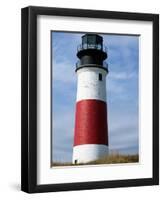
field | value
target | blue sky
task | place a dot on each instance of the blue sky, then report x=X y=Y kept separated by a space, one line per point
x=122 y=93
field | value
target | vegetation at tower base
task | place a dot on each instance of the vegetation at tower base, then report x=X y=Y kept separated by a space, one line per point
x=114 y=158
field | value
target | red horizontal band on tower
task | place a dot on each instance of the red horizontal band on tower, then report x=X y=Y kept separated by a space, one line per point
x=91 y=122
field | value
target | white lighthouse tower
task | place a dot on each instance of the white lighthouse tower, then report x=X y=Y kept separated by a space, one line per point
x=91 y=130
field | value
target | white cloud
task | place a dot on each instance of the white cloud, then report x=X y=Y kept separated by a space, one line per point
x=63 y=72
x=122 y=75
x=63 y=131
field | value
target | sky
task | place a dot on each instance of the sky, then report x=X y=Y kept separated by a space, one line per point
x=122 y=93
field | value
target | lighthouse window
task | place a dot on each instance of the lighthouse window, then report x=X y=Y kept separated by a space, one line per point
x=100 y=77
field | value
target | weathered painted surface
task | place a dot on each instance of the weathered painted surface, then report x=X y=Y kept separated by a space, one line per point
x=89 y=86
x=88 y=152
x=91 y=130
x=91 y=122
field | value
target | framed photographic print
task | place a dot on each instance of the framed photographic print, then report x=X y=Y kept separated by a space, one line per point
x=90 y=99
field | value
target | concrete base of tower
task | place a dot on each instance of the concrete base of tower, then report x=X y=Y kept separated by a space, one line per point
x=88 y=152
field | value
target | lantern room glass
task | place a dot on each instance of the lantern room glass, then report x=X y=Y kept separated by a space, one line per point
x=92 y=41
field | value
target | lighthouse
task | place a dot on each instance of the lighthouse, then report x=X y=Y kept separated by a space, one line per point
x=91 y=129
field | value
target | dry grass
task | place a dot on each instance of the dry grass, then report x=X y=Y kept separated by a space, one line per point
x=110 y=159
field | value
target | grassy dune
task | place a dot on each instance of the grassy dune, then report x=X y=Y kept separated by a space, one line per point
x=110 y=159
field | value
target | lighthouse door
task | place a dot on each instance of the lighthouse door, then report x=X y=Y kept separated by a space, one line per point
x=76 y=161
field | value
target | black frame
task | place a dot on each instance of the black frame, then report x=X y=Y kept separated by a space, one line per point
x=29 y=99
